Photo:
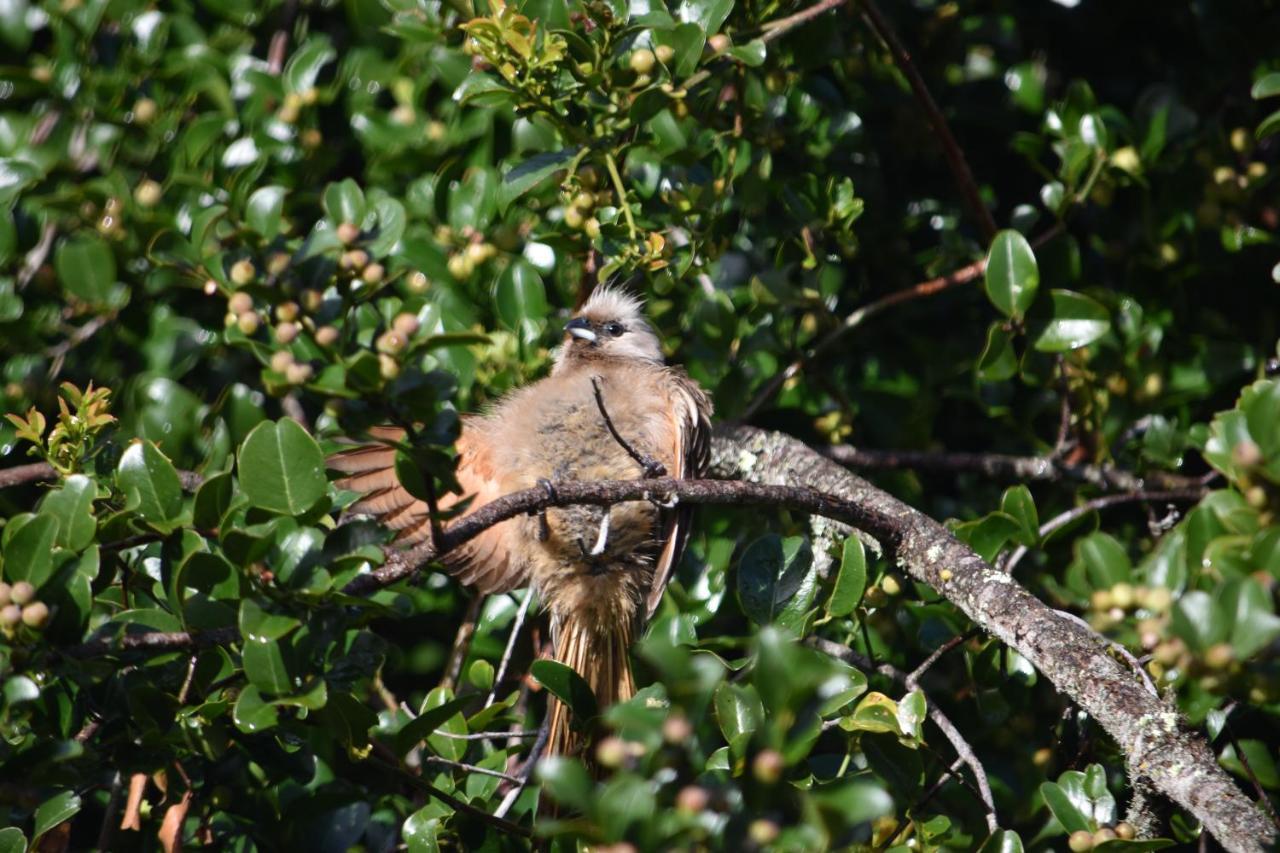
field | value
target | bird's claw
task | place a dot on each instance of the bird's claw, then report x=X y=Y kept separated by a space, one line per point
x=653 y=468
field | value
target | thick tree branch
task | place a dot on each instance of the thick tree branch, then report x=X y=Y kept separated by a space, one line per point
x=1159 y=744
x=763 y=468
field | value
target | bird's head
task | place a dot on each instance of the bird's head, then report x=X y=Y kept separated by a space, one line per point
x=611 y=325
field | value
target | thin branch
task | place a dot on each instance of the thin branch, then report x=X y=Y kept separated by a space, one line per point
x=511 y=645
x=155 y=642
x=20 y=475
x=462 y=641
x=470 y=768
x=36 y=257
x=780 y=27
x=960 y=170
x=913 y=677
x=453 y=802
x=484 y=735
x=58 y=354
x=1009 y=467
x=1182 y=495
x=936 y=716
x=964 y=275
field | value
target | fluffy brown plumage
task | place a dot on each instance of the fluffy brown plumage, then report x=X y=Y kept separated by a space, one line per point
x=600 y=571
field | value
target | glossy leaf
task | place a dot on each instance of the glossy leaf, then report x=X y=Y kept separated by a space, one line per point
x=1076 y=321
x=150 y=484
x=1012 y=276
x=281 y=468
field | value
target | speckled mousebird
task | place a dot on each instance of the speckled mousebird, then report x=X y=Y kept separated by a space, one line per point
x=600 y=571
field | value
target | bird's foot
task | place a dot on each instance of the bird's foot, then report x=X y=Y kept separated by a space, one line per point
x=544 y=528
x=652 y=468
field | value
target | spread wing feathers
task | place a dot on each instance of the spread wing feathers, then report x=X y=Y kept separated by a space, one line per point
x=691 y=449
x=486 y=562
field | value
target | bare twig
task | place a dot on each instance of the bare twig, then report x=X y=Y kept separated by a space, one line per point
x=462 y=642
x=913 y=678
x=1010 y=467
x=470 y=768
x=964 y=275
x=936 y=716
x=20 y=475
x=781 y=26
x=36 y=257
x=292 y=406
x=960 y=170
x=484 y=735
x=511 y=645
x=58 y=353
x=453 y=802
x=1182 y=495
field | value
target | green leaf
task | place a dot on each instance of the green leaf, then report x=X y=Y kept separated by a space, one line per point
x=1076 y=321
x=281 y=468
x=851 y=581
x=740 y=713
x=876 y=713
x=265 y=666
x=1105 y=560
x=521 y=298
x=212 y=500
x=16 y=174
x=259 y=626
x=344 y=202
x=422 y=726
x=57 y=809
x=391 y=225
x=474 y=202
x=20 y=689
x=1254 y=624
x=1063 y=808
x=12 y=840
x=707 y=14
x=751 y=54
x=687 y=40
x=1019 y=505
x=1002 y=841
x=1269 y=126
x=86 y=266
x=998 y=361
x=1266 y=86
x=522 y=178
x=569 y=687
x=28 y=555
x=72 y=506
x=252 y=713
x=265 y=210
x=302 y=69
x=776 y=581
x=1012 y=277
x=151 y=485
x=421 y=830
x=567 y=781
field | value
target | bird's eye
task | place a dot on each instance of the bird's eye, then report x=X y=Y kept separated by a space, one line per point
x=614 y=329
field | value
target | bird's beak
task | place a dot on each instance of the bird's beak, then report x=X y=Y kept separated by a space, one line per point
x=580 y=327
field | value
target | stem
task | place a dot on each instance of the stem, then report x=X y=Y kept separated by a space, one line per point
x=622 y=193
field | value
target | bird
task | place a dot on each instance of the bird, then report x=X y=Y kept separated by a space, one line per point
x=610 y=409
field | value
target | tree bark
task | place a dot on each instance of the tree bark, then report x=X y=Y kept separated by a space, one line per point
x=1158 y=742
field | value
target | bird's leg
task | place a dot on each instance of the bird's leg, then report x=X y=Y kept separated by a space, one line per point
x=602 y=541
x=544 y=529
x=650 y=467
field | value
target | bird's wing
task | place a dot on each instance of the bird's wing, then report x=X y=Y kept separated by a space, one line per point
x=488 y=562
x=690 y=449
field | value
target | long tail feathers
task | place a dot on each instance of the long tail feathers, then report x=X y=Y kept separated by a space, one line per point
x=599 y=655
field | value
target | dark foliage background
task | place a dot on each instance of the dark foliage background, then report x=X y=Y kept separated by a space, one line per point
x=230 y=214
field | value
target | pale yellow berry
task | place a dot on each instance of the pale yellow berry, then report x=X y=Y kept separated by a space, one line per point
x=22 y=592
x=148 y=193
x=373 y=274
x=348 y=233
x=35 y=614
x=281 y=360
x=240 y=302
x=406 y=324
x=642 y=61
x=242 y=272
x=287 y=333
x=297 y=374
x=326 y=336
x=665 y=53
x=248 y=322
